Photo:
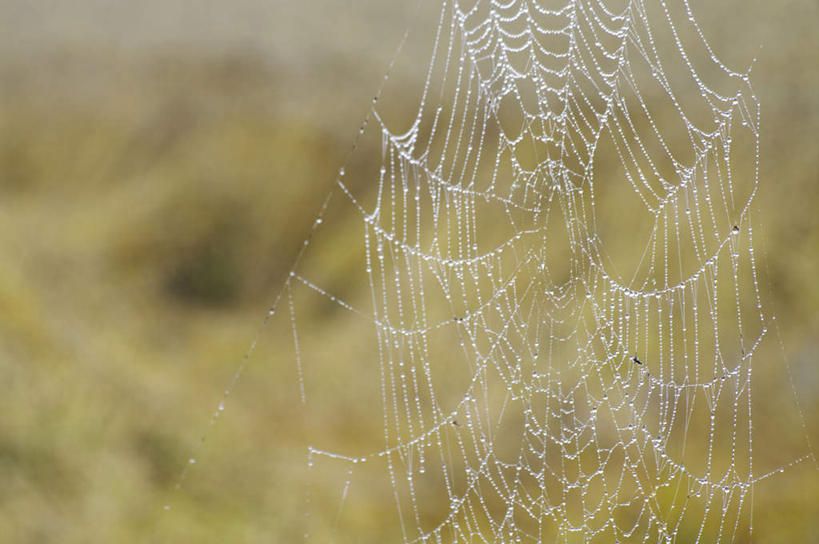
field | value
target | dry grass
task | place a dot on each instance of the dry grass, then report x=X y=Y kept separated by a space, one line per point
x=147 y=219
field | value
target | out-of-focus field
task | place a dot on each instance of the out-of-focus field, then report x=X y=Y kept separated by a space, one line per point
x=159 y=171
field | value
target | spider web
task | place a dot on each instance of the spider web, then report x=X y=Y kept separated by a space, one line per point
x=561 y=291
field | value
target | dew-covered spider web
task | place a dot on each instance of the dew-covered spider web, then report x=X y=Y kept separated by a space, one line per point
x=557 y=286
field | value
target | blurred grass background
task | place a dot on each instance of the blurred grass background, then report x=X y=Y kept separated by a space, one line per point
x=160 y=165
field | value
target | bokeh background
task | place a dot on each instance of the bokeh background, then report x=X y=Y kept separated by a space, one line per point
x=161 y=163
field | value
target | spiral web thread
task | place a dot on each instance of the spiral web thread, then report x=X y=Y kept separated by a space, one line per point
x=535 y=384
